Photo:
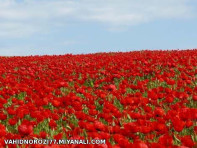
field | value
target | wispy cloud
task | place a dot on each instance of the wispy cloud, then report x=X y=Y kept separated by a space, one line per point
x=20 y=19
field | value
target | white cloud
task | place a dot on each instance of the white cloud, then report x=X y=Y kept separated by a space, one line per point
x=10 y=51
x=132 y=12
x=19 y=19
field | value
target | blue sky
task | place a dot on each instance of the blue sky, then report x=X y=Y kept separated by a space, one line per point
x=40 y=27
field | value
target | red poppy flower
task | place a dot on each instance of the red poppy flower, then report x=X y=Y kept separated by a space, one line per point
x=178 y=125
x=25 y=130
x=2 y=131
x=187 y=141
x=43 y=135
x=12 y=121
x=99 y=126
x=52 y=124
x=111 y=87
x=3 y=116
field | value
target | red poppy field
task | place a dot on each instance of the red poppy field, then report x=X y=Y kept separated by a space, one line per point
x=140 y=99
